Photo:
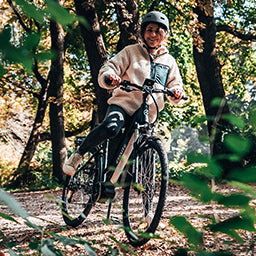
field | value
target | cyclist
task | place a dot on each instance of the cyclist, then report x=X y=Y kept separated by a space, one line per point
x=146 y=59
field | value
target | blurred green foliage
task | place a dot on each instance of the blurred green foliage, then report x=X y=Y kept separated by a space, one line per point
x=237 y=58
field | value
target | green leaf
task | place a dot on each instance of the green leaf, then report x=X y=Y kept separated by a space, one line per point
x=89 y=250
x=216 y=102
x=197 y=187
x=199 y=119
x=53 y=9
x=58 y=13
x=237 y=144
x=47 y=55
x=83 y=21
x=31 y=41
x=19 y=54
x=235 y=200
x=2 y=70
x=123 y=246
x=182 y=225
x=248 y=189
x=34 y=244
x=234 y=235
x=245 y=175
x=197 y=158
x=7 y=217
x=13 y=204
x=47 y=250
x=31 y=11
x=235 y=120
x=230 y=225
x=61 y=15
x=210 y=169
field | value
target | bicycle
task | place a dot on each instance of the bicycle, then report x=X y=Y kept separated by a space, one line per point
x=140 y=167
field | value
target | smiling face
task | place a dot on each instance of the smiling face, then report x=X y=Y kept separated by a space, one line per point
x=154 y=35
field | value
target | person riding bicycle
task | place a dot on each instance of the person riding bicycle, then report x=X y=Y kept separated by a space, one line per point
x=146 y=59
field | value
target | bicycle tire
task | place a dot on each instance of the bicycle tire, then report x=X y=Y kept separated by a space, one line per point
x=153 y=167
x=79 y=191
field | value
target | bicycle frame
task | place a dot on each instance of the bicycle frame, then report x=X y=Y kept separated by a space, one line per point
x=132 y=133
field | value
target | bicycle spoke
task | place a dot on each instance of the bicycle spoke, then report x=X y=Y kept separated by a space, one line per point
x=78 y=192
x=144 y=201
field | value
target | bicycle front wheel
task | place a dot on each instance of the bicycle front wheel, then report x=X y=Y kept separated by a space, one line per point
x=144 y=199
x=79 y=192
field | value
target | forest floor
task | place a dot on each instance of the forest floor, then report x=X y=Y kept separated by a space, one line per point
x=102 y=236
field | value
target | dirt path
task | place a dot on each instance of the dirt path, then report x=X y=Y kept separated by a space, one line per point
x=94 y=229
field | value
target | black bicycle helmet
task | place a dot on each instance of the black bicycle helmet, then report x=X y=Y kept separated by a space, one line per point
x=155 y=17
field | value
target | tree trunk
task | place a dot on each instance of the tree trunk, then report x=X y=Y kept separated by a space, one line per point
x=59 y=151
x=209 y=75
x=22 y=174
x=210 y=80
x=128 y=21
x=95 y=50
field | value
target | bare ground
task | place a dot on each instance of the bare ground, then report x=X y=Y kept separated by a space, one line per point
x=48 y=215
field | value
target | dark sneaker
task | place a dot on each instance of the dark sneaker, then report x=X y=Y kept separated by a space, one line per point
x=72 y=163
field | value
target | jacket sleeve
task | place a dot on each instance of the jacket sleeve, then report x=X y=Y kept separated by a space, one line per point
x=116 y=65
x=174 y=80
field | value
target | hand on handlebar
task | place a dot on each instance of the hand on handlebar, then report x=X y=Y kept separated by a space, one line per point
x=178 y=93
x=113 y=80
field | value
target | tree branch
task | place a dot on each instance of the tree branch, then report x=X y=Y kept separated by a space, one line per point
x=153 y=6
x=47 y=136
x=38 y=76
x=236 y=33
x=27 y=29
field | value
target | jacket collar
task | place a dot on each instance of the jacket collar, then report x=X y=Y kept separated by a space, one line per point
x=159 y=52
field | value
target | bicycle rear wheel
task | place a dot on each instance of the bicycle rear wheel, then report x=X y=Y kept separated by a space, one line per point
x=80 y=192
x=144 y=201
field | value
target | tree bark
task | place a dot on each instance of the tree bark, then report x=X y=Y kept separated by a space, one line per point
x=210 y=80
x=59 y=151
x=128 y=21
x=209 y=74
x=95 y=50
x=22 y=174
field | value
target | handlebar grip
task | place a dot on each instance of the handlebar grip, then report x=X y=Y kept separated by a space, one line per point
x=171 y=93
x=108 y=81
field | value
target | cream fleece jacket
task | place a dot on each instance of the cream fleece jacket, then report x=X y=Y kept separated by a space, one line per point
x=133 y=64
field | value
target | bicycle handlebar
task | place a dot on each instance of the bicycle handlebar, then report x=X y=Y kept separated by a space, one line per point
x=126 y=86
x=148 y=88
